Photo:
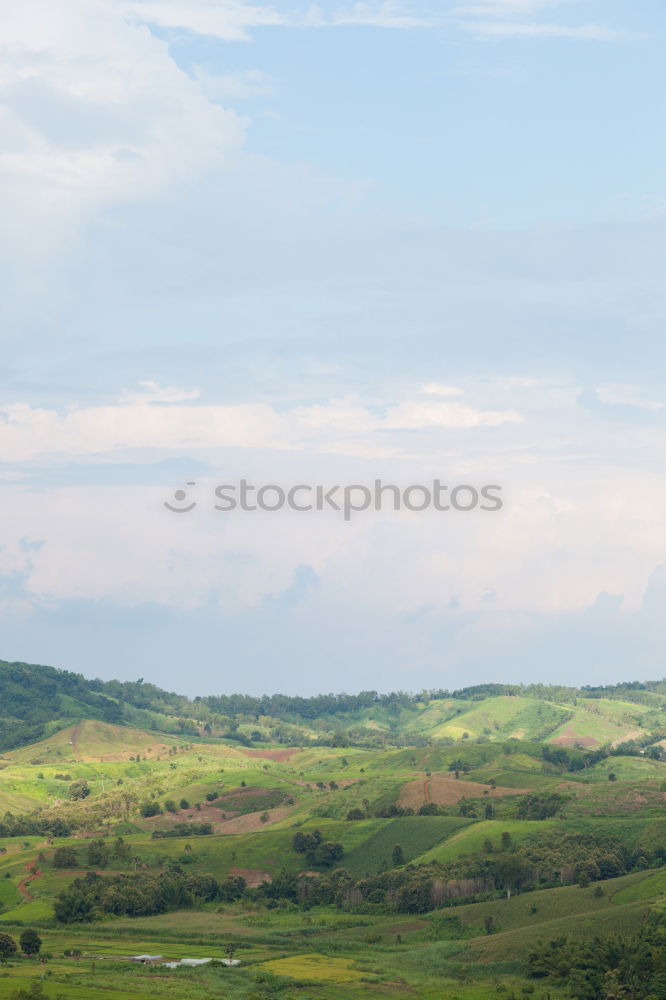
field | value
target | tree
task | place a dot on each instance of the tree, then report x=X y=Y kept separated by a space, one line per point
x=329 y=852
x=79 y=790
x=121 y=850
x=397 y=856
x=98 y=854
x=184 y=804
x=513 y=870
x=150 y=808
x=8 y=947
x=30 y=942
x=65 y=857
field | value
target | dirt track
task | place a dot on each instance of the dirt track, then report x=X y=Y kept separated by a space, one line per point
x=22 y=886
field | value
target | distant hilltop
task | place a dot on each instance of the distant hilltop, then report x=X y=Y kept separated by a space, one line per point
x=38 y=701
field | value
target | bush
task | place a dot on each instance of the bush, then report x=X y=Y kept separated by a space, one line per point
x=150 y=808
x=65 y=857
x=79 y=790
x=8 y=946
x=30 y=942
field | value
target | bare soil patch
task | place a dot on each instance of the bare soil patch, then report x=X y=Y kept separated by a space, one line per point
x=446 y=790
x=569 y=738
x=253 y=876
x=251 y=822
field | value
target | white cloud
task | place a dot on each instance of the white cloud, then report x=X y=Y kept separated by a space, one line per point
x=417 y=415
x=228 y=19
x=94 y=111
x=234 y=86
x=339 y=426
x=435 y=389
x=504 y=8
x=378 y=15
x=508 y=29
x=153 y=392
x=628 y=395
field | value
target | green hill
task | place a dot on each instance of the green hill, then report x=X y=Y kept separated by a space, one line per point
x=37 y=701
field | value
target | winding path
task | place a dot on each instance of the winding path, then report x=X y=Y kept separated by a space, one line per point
x=23 y=885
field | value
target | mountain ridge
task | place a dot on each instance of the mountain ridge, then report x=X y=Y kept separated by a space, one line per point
x=37 y=701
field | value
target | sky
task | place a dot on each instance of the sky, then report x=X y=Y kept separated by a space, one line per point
x=332 y=243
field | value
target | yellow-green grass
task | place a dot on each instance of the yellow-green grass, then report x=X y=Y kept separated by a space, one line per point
x=32 y=910
x=320 y=968
x=502 y=716
x=638 y=769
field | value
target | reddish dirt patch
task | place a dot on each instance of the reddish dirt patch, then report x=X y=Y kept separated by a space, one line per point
x=278 y=755
x=253 y=876
x=570 y=739
x=446 y=790
x=251 y=822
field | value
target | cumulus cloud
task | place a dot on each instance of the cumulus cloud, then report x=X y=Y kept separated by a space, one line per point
x=94 y=111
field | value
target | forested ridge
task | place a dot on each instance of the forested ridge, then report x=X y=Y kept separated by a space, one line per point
x=36 y=700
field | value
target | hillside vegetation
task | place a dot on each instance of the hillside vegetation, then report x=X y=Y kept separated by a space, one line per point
x=37 y=701
x=490 y=842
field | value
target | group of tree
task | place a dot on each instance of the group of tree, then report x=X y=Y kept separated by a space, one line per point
x=98 y=854
x=29 y=943
x=317 y=851
x=141 y=894
x=184 y=830
x=631 y=966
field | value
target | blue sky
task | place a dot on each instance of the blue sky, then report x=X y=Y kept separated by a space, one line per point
x=330 y=243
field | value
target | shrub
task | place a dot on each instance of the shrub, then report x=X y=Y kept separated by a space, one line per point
x=8 y=946
x=30 y=942
x=150 y=808
x=79 y=790
x=65 y=857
